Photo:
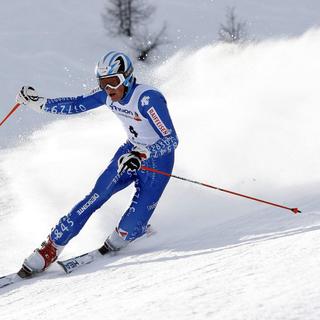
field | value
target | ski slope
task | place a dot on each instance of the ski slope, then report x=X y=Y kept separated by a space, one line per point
x=247 y=119
x=214 y=256
x=272 y=277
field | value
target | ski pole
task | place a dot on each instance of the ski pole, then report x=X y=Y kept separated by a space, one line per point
x=16 y=106
x=294 y=210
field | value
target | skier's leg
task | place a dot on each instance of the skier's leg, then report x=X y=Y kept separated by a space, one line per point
x=70 y=225
x=149 y=188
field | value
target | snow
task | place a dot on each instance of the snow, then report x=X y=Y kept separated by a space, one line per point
x=247 y=121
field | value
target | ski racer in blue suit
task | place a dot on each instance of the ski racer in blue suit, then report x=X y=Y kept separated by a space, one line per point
x=151 y=142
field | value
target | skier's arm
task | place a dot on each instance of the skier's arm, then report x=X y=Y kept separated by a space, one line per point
x=67 y=105
x=74 y=105
x=153 y=106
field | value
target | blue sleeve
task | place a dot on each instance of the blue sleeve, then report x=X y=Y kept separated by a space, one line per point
x=74 y=105
x=153 y=106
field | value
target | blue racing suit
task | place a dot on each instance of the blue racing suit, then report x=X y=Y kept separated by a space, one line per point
x=145 y=117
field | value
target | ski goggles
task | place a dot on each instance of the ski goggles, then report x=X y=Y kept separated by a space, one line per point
x=113 y=81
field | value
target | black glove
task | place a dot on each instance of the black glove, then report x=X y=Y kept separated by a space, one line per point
x=129 y=162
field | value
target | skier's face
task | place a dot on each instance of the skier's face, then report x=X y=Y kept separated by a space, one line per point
x=115 y=94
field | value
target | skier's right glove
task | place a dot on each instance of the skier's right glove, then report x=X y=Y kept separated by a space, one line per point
x=129 y=162
x=29 y=96
x=132 y=161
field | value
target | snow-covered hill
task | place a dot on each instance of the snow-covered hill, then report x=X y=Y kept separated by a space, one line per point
x=214 y=256
x=247 y=121
x=268 y=277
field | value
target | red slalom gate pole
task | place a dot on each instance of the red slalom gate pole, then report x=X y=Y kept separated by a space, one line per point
x=294 y=210
x=16 y=106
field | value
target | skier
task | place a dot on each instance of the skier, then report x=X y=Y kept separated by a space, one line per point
x=151 y=141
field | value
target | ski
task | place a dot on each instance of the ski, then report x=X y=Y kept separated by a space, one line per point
x=74 y=263
x=12 y=278
x=9 y=279
x=68 y=265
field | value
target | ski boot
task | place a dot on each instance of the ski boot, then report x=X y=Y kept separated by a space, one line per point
x=106 y=248
x=40 y=259
x=114 y=242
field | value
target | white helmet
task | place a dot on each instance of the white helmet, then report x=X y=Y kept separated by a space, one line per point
x=115 y=63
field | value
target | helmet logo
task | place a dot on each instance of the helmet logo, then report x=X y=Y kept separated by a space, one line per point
x=113 y=68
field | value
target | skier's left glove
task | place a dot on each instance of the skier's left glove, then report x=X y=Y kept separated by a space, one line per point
x=132 y=161
x=29 y=96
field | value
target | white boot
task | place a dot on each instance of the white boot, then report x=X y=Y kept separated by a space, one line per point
x=40 y=259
